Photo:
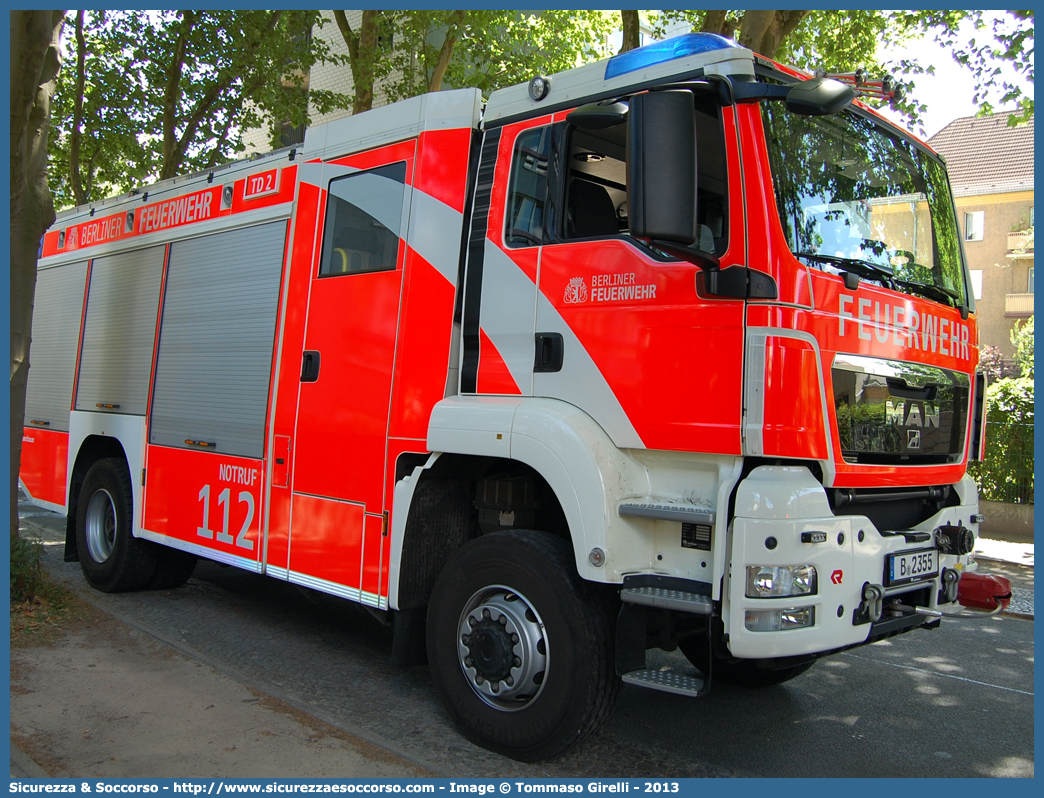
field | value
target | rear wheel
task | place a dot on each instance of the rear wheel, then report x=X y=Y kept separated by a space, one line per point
x=519 y=646
x=172 y=569
x=744 y=673
x=111 y=558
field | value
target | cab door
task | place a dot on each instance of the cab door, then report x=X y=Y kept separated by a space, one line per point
x=346 y=373
x=645 y=350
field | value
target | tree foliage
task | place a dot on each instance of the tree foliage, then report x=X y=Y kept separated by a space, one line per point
x=1022 y=339
x=153 y=94
x=1006 y=473
x=162 y=93
x=844 y=41
x=412 y=52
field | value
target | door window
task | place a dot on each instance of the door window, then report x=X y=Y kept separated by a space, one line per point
x=596 y=180
x=528 y=193
x=363 y=217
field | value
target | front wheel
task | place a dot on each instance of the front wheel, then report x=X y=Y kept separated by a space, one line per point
x=111 y=558
x=519 y=646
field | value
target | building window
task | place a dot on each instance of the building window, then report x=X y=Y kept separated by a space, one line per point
x=973 y=224
x=1029 y=282
x=976 y=278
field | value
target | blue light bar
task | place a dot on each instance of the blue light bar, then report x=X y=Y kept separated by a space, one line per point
x=667 y=50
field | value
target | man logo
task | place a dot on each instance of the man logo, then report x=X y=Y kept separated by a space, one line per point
x=913 y=439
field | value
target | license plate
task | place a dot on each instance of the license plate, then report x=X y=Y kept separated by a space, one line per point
x=912 y=566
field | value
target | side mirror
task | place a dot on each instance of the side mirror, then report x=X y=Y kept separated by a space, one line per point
x=819 y=97
x=661 y=166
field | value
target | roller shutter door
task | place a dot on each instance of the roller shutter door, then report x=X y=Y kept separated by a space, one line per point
x=57 y=310
x=120 y=331
x=216 y=340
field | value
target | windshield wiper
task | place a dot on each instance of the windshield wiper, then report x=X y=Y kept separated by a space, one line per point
x=863 y=268
x=874 y=271
x=936 y=292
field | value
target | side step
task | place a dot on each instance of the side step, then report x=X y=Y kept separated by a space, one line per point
x=667 y=681
x=686 y=513
x=665 y=599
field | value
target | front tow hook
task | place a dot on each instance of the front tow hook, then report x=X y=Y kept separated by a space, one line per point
x=873 y=601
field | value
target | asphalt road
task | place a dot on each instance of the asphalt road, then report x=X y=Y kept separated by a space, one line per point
x=955 y=702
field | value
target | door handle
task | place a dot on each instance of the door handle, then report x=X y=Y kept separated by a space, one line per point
x=310 y=367
x=550 y=352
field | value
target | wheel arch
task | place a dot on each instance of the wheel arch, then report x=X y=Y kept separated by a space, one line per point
x=563 y=447
x=92 y=449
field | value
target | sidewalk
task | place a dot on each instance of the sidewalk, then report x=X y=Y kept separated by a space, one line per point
x=103 y=705
x=1004 y=551
x=108 y=700
x=998 y=556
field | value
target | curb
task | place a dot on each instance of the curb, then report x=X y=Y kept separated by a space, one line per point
x=24 y=766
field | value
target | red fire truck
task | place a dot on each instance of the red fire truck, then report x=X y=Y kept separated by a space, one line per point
x=675 y=350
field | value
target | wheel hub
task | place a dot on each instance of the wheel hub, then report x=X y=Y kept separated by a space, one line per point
x=501 y=647
x=491 y=650
x=101 y=526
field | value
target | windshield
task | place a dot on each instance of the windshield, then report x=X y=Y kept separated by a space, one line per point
x=854 y=197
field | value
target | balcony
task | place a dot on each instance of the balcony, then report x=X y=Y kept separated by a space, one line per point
x=1018 y=305
x=1020 y=245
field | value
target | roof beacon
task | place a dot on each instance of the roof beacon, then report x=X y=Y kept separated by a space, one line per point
x=667 y=50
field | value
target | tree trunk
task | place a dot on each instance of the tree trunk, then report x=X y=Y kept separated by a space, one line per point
x=76 y=134
x=720 y=23
x=632 y=31
x=753 y=26
x=782 y=25
x=34 y=65
x=446 y=51
x=764 y=31
x=171 y=95
x=362 y=53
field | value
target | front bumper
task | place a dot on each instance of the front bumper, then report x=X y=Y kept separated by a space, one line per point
x=774 y=506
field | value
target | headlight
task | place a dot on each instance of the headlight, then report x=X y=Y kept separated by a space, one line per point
x=776 y=581
x=779 y=620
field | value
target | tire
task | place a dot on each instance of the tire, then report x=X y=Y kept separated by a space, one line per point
x=173 y=568
x=509 y=609
x=740 y=672
x=111 y=558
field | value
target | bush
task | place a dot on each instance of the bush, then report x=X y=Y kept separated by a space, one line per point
x=27 y=572
x=1022 y=339
x=991 y=363
x=1006 y=473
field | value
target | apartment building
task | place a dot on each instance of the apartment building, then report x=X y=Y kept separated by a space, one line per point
x=991 y=169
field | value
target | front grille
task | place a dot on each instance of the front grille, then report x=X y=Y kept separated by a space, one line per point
x=893 y=509
x=895 y=413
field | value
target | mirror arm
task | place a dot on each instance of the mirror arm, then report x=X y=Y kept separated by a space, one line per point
x=735 y=282
x=752 y=91
x=707 y=261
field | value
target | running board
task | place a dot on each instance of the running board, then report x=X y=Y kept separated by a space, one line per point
x=667 y=681
x=665 y=599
